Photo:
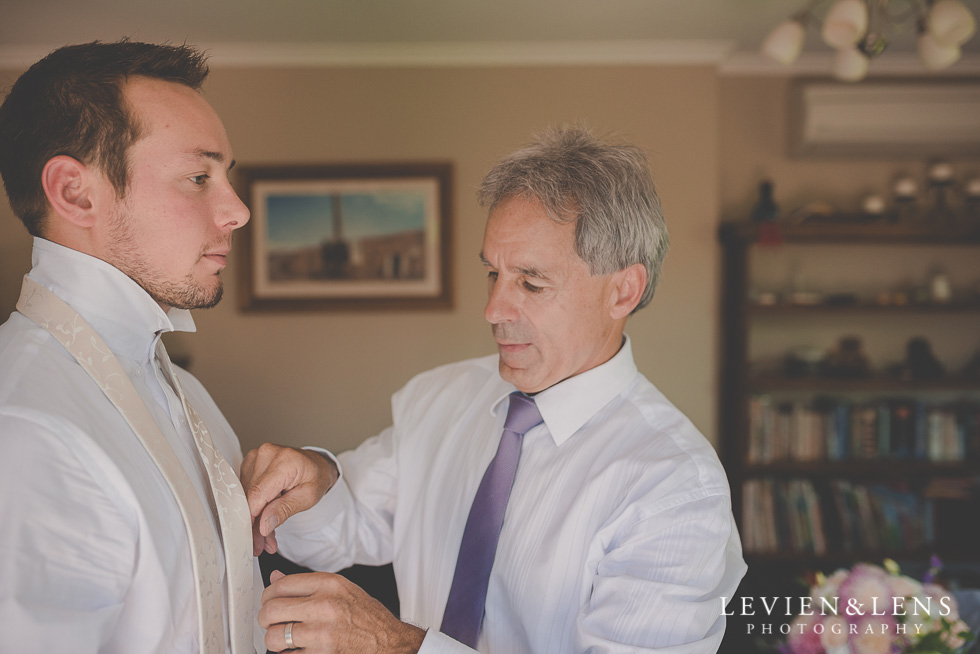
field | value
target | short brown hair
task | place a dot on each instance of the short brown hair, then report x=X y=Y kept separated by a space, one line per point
x=71 y=103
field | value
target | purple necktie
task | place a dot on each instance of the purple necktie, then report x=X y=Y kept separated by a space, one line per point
x=468 y=595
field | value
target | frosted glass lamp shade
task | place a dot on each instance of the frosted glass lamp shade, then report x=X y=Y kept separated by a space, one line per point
x=850 y=65
x=951 y=23
x=784 y=42
x=846 y=24
x=935 y=54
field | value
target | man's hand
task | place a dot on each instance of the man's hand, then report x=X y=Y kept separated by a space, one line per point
x=331 y=615
x=279 y=482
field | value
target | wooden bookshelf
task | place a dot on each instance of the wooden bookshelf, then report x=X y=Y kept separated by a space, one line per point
x=739 y=384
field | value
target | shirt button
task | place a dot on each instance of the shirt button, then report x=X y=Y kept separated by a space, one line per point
x=139 y=373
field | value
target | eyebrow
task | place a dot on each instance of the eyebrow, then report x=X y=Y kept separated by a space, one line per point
x=215 y=156
x=527 y=271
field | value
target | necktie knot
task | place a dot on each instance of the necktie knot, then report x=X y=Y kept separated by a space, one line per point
x=522 y=415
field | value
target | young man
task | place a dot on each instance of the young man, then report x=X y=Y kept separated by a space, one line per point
x=125 y=530
x=581 y=512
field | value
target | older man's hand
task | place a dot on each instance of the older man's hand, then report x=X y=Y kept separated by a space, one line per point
x=280 y=482
x=328 y=615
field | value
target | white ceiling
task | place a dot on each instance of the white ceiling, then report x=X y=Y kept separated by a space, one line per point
x=724 y=32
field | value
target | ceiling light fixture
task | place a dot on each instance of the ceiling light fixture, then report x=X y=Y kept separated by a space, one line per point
x=859 y=30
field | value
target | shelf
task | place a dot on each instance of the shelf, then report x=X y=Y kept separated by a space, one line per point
x=768 y=496
x=864 y=468
x=848 y=558
x=776 y=383
x=857 y=231
x=860 y=307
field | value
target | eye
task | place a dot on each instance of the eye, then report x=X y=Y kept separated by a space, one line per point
x=491 y=275
x=531 y=287
x=200 y=180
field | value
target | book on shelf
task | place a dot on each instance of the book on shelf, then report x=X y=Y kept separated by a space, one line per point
x=836 y=429
x=801 y=516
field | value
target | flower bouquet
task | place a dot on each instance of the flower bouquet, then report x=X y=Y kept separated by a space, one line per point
x=877 y=610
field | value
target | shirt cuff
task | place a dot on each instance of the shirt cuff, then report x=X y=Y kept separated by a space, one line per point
x=436 y=642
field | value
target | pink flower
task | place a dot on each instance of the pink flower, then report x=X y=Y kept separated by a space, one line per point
x=874 y=635
x=952 y=639
x=802 y=638
x=830 y=588
x=941 y=599
x=902 y=586
x=835 y=632
x=865 y=589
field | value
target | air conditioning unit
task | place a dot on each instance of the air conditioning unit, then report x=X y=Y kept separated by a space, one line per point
x=885 y=118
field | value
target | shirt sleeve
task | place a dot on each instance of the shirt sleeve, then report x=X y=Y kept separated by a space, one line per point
x=658 y=586
x=353 y=522
x=68 y=550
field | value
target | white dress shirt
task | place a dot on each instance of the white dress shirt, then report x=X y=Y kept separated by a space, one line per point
x=618 y=535
x=94 y=555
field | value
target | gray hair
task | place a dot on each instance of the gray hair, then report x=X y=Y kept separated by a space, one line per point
x=605 y=189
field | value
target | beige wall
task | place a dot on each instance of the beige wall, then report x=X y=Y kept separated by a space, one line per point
x=326 y=378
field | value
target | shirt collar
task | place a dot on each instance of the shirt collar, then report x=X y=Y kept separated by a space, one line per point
x=571 y=403
x=123 y=314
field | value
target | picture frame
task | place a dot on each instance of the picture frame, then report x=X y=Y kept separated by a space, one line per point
x=347 y=236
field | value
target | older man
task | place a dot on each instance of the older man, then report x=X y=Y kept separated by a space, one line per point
x=124 y=528
x=546 y=499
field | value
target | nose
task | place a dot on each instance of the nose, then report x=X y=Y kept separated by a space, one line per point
x=501 y=305
x=234 y=213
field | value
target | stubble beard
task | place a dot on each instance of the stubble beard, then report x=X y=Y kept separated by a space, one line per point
x=183 y=294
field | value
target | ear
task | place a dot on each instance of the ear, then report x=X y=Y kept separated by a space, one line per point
x=71 y=189
x=628 y=287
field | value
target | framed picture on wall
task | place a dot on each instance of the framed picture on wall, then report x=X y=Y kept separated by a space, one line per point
x=348 y=237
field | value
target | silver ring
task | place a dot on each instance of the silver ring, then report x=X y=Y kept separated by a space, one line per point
x=289 y=635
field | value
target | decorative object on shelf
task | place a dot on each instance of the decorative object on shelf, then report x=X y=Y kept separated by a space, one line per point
x=892 y=298
x=905 y=192
x=847 y=360
x=803 y=362
x=841 y=299
x=971 y=198
x=940 y=290
x=972 y=368
x=940 y=179
x=920 y=362
x=873 y=205
x=805 y=298
x=812 y=212
x=765 y=298
x=839 y=618
x=859 y=30
x=765 y=213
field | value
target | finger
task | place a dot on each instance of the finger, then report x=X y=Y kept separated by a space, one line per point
x=275 y=637
x=259 y=542
x=289 y=503
x=280 y=610
x=276 y=576
x=267 y=472
x=303 y=585
x=271 y=544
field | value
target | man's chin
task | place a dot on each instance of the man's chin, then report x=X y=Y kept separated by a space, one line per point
x=191 y=298
x=519 y=377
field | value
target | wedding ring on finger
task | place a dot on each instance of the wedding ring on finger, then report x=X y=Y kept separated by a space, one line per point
x=289 y=635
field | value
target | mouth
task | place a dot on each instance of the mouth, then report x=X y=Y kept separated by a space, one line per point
x=220 y=258
x=512 y=348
